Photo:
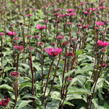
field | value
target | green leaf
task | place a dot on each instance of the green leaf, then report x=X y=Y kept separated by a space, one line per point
x=7 y=87
x=25 y=84
x=68 y=103
x=22 y=104
x=79 y=52
x=53 y=105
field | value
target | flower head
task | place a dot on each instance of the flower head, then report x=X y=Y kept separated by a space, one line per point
x=69 y=54
x=41 y=27
x=104 y=65
x=4 y=102
x=19 y=47
x=11 y=33
x=53 y=51
x=70 y=10
x=16 y=38
x=100 y=23
x=1 y=33
x=102 y=43
x=71 y=14
x=14 y=74
x=59 y=37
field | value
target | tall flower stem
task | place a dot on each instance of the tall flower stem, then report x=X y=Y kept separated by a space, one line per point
x=32 y=72
x=50 y=68
x=17 y=63
x=16 y=86
x=54 y=76
x=1 y=50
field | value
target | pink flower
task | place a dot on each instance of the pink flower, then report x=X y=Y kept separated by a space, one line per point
x=1 y=33
x=96 y=27
x=29 y=36
x=103 y=65
x=35 y=37
x=102 y=43
x=82 y=3
x=19 y=47
x=86 y=12
x=79 y=25
x=16 y=38
x=30 y=48
x=68 y=23
x=71 y=14
x=11 y=33
x=14 y=74
x=62 y=15
x=86 y=26
x=65 y=43
x=40 y=27
x=59 y=37
x=70 y=10
x=91 y=9
x=53 y=51
x=53 y=44
x=46 y=21
x=4 y=102
x=69 y=79
x=28 y=15
x=39 y=43
x=69 y=54
x=14 y=0
x=99 y=23
x=102 y=7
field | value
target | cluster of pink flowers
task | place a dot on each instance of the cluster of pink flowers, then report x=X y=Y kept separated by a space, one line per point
x=19 y=47
x=53 y=51
x=100 y=23
x=83 y=26
x=11 y=33
x=41 y=27
x=102 y=43
x=4 y=102
x=64 y=15
x=14 y=74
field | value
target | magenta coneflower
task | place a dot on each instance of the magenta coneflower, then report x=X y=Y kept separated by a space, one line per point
x=59 y=37
x=19 y=47
x=53 y=51
x=14 y=74
x=41 y=27
x=11 y=33
x=4 y=102
x=1 y=33
x=100 y=23
x=102 y=43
